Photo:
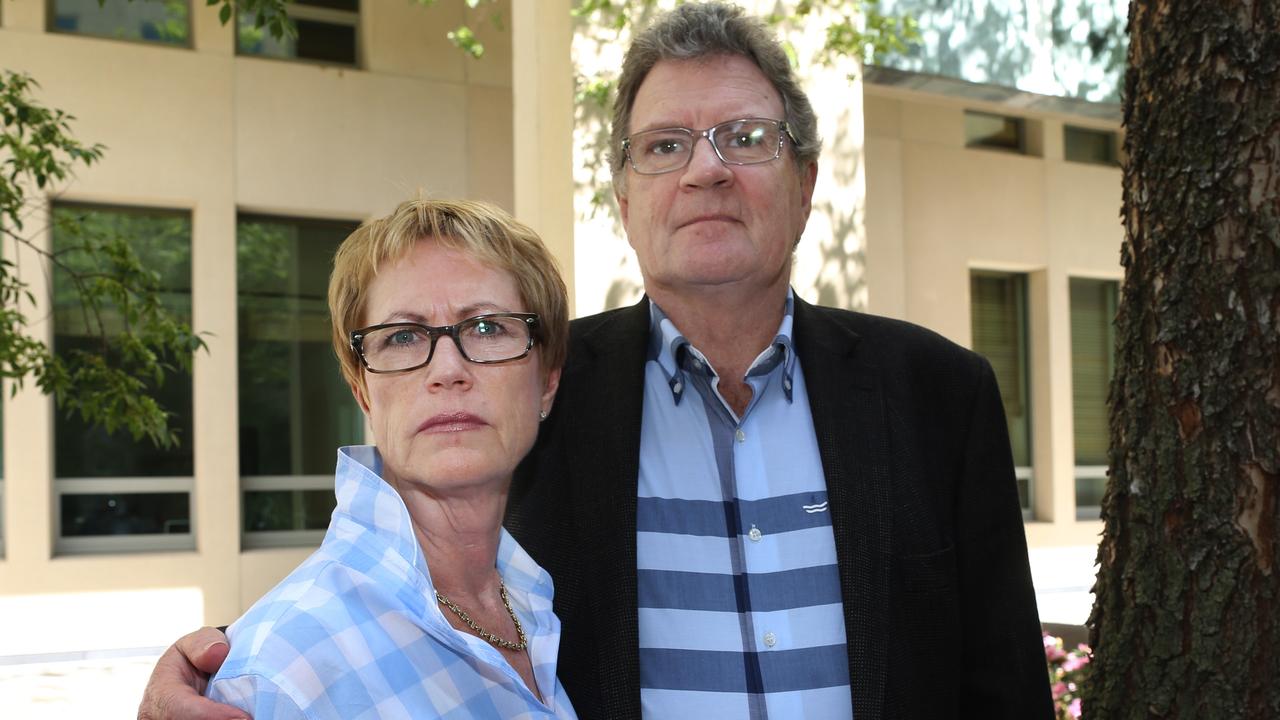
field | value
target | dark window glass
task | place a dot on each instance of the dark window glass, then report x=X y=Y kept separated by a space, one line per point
x=125 y=514
x=326 y=42
x=162 y=241
x=287 y=510
x=1089 y=146
x=295 y=408
x=160 y=21
x=347 y=5
x=994 y=132
x=999 y=316
x=1093 y=309
x=327 y=33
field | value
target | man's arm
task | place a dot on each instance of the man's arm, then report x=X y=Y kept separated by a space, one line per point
x=1004 y=670
x=175 y=690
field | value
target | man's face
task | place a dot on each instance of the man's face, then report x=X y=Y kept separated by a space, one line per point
x=713 y=225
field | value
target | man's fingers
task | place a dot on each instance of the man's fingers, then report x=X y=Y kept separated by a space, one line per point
x=175 y=689
x=188 y=706
x=204 y=649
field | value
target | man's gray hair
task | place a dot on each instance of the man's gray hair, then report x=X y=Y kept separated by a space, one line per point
x=704 y=30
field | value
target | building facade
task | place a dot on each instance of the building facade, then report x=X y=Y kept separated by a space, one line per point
x=986 y=213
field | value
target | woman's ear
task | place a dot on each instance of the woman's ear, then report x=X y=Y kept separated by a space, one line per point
x=358 y=392
x=549 y=392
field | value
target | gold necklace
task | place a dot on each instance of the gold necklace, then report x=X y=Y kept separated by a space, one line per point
x=485 y=634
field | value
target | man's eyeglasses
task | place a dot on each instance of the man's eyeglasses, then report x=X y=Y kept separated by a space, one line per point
x=400 y=347
x=748 y=141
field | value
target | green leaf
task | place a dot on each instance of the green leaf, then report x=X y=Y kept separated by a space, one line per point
x=224 y=15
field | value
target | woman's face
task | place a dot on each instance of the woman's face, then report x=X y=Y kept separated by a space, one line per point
x=452 y=426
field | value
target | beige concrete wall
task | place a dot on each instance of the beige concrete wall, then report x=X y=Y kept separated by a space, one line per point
x=204 y=130
x=937 y=210
x=903 y=212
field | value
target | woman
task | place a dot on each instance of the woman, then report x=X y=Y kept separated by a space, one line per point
x=450 y=323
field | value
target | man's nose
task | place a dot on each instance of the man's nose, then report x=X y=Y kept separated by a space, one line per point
x=705 y=167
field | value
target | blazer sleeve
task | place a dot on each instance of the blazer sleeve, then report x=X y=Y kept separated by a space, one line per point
x=1002 y=661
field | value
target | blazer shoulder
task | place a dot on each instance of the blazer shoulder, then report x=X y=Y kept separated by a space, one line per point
x=901 y=343
x=588 y=324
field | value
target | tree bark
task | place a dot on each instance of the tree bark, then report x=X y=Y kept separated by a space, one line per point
x=1186 y=622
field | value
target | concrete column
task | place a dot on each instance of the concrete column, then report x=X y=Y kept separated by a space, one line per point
x=24 y=15
x=28 y=429
x=542 y=110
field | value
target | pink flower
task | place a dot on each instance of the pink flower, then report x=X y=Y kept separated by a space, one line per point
x=1075 y=662
x=1059 y=689
x=1074 y=708
x=1053 y=649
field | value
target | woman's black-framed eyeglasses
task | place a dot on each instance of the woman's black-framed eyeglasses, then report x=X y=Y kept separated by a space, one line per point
x=484 y=339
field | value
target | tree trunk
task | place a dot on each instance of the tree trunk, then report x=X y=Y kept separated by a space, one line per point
x=1186 y=622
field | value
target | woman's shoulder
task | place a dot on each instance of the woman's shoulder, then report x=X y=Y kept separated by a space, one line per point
x=321 y=599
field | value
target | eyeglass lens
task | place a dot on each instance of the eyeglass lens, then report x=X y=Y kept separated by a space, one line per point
x=480 y=339
x=738 y=142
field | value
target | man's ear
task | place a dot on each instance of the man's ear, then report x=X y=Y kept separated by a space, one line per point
x=808 y=179
x=620 y=195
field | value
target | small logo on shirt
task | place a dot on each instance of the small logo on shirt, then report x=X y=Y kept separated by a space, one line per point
x=811 y=509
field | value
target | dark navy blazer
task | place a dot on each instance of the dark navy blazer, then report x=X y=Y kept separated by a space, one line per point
x=940 y=614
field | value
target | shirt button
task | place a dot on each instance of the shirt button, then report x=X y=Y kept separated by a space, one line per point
x=677 y=387
x=770 y=639
x=755 y=534
x=739 y=435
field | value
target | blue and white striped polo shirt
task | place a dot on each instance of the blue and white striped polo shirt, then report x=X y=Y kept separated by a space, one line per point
x=740 y=605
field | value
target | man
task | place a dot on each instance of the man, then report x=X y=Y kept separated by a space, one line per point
x=751 y=506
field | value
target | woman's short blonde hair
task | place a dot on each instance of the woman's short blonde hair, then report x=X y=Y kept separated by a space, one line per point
x=480 y=230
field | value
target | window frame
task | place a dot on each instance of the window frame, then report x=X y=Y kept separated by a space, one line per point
x=160 y=484
x=1081 y=471
x=1112 y=136
x=113 y=544
x=1019 y=123
x=262 y=539
x=329 y=16
x=1022 y=473
x=50 y=26
x=267 y=539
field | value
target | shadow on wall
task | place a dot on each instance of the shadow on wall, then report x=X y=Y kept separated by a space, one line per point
x=841 y=281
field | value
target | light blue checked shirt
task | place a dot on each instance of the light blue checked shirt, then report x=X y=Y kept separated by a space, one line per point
x=355 y=631
x=740 y=604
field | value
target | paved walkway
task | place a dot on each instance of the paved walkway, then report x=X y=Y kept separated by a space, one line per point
x=107 y=688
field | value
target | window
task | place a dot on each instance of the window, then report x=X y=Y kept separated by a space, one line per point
x=160 y=21
x=994 y=132
x=328 y=32
x=998 y=312
x=116 y=493
x=295 y=408
x=1093 y=308
x=1089 y=146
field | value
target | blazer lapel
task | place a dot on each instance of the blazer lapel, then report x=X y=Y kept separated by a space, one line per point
x=603 y=470
x=847 y=403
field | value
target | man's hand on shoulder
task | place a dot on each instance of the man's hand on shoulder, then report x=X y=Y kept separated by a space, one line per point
x=176 y=688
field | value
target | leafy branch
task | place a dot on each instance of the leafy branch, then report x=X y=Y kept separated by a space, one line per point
x=137 y=341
